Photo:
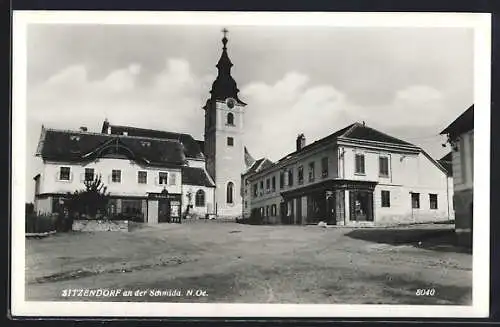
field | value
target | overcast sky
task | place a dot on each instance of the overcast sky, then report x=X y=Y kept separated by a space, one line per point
x=407 y=82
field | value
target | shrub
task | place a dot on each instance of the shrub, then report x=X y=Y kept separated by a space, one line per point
x=90 y=201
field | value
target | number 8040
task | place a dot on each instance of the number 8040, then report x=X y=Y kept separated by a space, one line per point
x=425 y=292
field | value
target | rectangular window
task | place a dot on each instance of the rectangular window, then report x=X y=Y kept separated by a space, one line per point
x=386 y=199
x=311 y=172
x=268 y=185
x=273 y=210
x=267 y=211
x=433 y=201
x=324 y=167
x=116 y=176
x=64 y=173
x=230 y=141
x=273 y=183
x=162 y=178
x=290 y=177
x=255 y=191
x=89 y=174
x=261 y=187
x=360 y=164
x=383 y=163
x=300 y=173
x=415 y=200
x=172 y=179
x=142 y=177
x=282 y=180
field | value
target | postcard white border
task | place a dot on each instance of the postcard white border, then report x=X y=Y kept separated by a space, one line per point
x=480 y=22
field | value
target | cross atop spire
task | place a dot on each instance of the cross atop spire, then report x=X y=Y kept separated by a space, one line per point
x=224 y=85
x=224 y=39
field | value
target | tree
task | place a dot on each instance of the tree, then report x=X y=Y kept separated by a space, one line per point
x=90 y=201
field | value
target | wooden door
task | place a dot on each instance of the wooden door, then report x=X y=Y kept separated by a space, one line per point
x=164 y=211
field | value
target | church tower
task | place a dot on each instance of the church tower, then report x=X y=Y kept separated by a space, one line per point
x=224 y=126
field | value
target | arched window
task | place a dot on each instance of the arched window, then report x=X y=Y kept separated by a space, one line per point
x=229 y=192
x=200 y=198
x=230 y=118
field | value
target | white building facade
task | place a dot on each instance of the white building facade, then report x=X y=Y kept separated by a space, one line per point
x=356 y=176
x=461 y=137
x=147 y=179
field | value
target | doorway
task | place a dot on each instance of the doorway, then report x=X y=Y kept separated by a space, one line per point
x=164 y=211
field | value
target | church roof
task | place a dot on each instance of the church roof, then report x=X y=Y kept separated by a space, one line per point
x=192 y=148
x=196 y=176
x=80 y=146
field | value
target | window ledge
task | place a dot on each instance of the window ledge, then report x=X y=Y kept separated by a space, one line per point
x=360 y=174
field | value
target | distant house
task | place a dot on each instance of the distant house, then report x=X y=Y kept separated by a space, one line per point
x=255 y=167
x=460 y=135
x=355 y=176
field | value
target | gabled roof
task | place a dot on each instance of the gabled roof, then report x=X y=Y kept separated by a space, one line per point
x=79 y=146
x=191 y=146
x=196 y=176
x=258 y=165
x=447 y=163
x=362 y=132
x=355 y=131
x=463 y=124
x=249 y=160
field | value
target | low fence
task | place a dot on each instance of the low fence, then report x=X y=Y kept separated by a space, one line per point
x=41 y=223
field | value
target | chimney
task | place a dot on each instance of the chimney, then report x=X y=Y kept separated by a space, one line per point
x=83 y=128
x=301 y=142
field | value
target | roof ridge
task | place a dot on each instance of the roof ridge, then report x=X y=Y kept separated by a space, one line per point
x=350 y=129
x=113 y=135
x=154 y=130
x=357 y=124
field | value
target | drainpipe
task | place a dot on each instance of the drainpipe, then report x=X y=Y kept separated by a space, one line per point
x=448 y=196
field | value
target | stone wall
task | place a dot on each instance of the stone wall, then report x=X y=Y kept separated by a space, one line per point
x=101 y=225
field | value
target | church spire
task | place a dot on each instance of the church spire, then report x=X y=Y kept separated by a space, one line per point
x=224 y=85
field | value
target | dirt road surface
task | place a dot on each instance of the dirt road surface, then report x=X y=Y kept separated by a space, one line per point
x=229 y=262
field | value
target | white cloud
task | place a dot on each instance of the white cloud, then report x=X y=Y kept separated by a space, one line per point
x=278 y=112
x=173 y=101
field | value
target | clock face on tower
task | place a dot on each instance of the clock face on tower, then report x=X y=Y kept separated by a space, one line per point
x=230 y=102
